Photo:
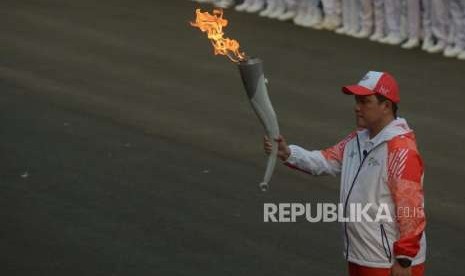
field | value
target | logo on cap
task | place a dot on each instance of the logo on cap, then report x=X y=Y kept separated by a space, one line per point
x=384 y=90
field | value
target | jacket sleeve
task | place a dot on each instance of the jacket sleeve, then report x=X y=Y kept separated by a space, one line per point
x=318 y=162
x=405 y=181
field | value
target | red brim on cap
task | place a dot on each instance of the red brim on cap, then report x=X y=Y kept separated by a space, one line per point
x=357 y=90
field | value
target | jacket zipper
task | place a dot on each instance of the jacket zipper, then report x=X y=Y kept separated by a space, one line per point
x=351 y=187
x=348 y=194
x=383 y=237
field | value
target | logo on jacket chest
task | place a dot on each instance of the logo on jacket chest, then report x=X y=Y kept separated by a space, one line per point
x=372 y=162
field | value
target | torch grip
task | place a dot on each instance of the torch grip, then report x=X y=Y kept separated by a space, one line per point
x=262 y=106
x=255 y=85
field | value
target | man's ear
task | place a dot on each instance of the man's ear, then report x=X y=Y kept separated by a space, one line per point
x=387 y=106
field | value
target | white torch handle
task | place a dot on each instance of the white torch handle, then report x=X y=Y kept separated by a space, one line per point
x=262 y=106
x=254 y=82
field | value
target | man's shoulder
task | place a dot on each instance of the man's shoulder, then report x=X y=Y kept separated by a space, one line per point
x=406 y=141
x=404 y=160
x=351 y=136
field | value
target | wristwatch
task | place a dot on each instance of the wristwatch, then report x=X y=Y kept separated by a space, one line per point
x=404 y=262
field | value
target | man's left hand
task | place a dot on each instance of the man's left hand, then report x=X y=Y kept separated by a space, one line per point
x=397 y=270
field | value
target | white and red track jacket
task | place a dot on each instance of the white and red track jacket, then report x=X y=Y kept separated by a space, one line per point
x=386 y=169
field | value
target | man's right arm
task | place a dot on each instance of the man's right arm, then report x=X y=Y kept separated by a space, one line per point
x=315 y=162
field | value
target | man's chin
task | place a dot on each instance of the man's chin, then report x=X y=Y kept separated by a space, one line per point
x=360 y=123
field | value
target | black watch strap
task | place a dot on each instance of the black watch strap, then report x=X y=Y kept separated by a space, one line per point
x=404 y=262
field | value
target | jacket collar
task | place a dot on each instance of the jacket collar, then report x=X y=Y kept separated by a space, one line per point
x=395 y=128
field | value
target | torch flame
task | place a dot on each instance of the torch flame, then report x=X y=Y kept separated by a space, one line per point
x=213 y=24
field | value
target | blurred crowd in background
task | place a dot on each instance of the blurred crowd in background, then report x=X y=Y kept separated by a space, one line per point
x=435 y=26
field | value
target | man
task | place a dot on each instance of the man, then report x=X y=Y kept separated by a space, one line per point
x=379 y=164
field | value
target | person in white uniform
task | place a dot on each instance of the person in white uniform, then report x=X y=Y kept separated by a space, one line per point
x=251 y=6
x=224 y=4
x=290 y=11
x=278 y=9
x=378 y=13
x=350 y=16
x=365 y=19
x=203 y=1
x=309 y=15
x=456 y=29
x=413 y=24
x=435 y=25
x=461 y=55
x=426 y=25
x=392 y=12
x=302 y=12
x=332 y=14
x=270 y=7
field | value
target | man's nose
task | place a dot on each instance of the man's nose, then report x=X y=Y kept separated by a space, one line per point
x=356 y=107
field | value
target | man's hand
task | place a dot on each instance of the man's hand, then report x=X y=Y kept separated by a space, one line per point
x=283 y=148
x=397 y=270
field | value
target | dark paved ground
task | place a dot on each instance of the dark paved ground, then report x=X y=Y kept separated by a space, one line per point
x=126 y=148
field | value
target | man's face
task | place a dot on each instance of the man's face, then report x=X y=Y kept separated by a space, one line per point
x=368 y=111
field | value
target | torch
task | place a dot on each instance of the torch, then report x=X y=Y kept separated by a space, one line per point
x=253 y=78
